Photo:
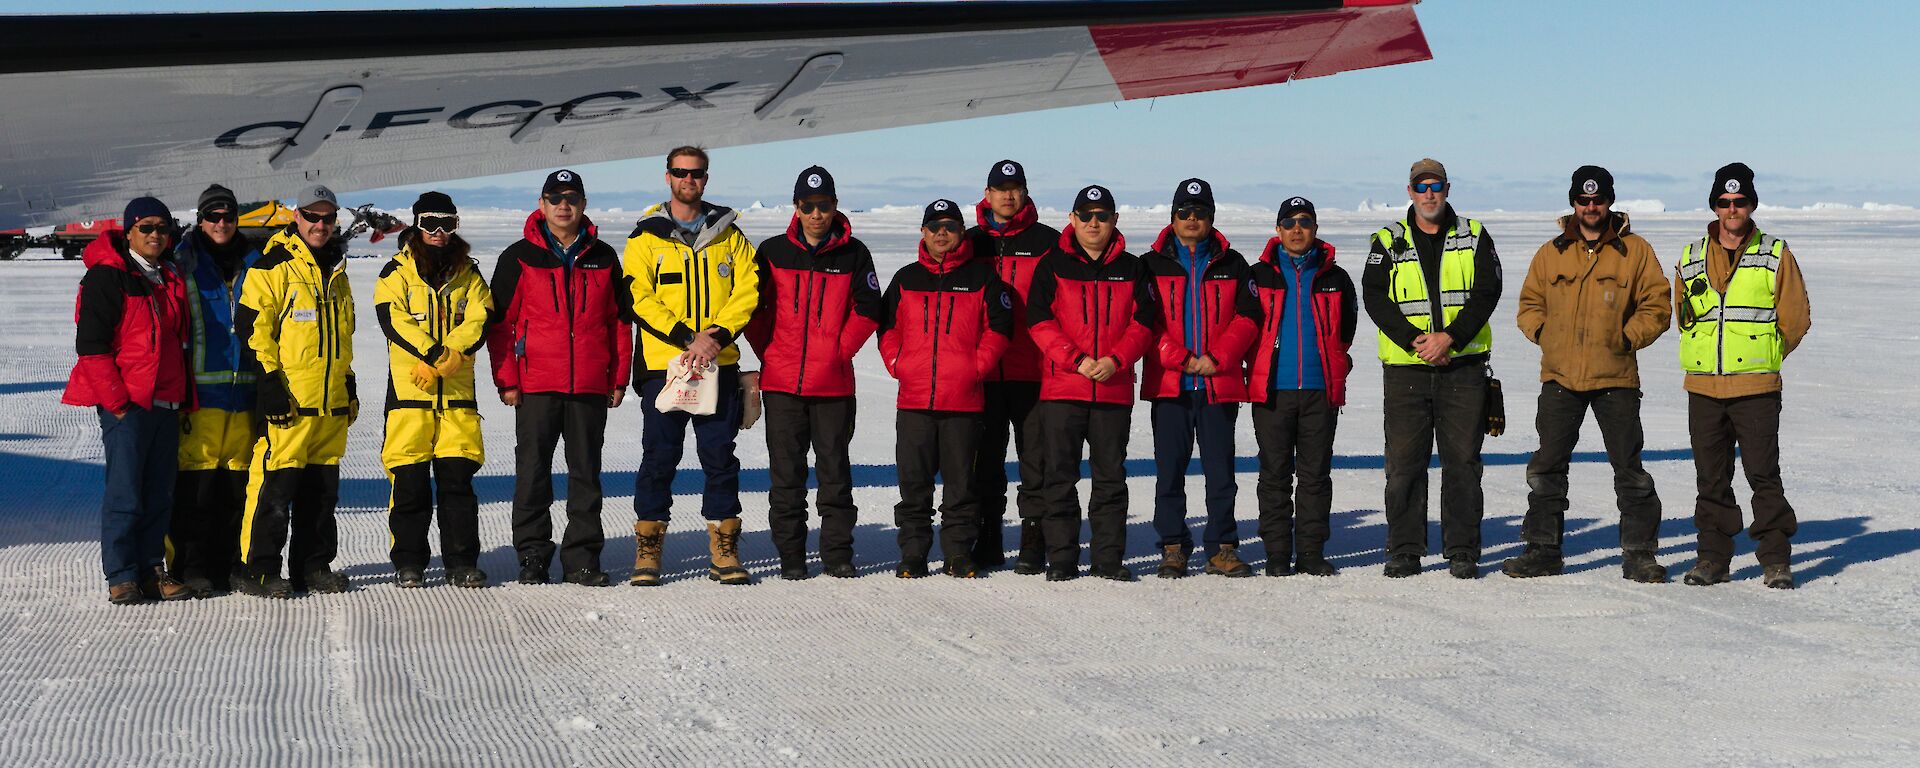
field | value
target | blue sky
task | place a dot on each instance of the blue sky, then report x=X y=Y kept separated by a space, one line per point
x=1659 y=92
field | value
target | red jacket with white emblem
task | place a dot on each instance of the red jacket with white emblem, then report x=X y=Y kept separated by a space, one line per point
x=817 y=307
x=945 y=325
x=1081 y=307
x=560 y=329
x=1228 y=318
x=1015 y=249
x=1330 y=299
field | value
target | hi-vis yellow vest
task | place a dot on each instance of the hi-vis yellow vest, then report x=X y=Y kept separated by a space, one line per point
x=1407 y=286
x=1735 y=332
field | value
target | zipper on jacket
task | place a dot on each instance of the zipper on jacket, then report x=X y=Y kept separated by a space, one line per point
x=800 y=383
x=934 y=387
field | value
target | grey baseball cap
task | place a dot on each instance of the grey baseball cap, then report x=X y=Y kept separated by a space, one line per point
x=316 y=194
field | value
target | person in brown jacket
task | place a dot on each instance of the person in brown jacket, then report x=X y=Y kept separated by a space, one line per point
x=1594 y=296
x=1742 y=308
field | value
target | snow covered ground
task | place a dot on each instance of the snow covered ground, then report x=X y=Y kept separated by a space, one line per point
x=1584 y=669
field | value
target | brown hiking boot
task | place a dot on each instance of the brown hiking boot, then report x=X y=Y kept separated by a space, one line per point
x=124 y=593
x=723 y=542
x=1173 y=561
x=1777 y=576
x=161 y=585
x=649 y=538
x=1227 y=563
x=1707 y=573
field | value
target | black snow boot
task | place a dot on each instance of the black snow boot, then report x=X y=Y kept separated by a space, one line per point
x=1112 y=572
x=912 y=568
x=988 y=552
x=588 y=577
x=961 y=567
x=1063 y=572
x=1537 y=560
x=409 y=578
x=1640 y=566
x=533 y=570
x=1032 y=560
x=326 y=582
x=263 y=586
x=1402 y=566
x=1463 y=567
x=794 y=568
x=468 y=577
x=1314 y=564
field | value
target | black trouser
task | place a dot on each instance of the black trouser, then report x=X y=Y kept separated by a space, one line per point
x=207 y=509
x=1103 y=428
x=1009 y=409
x=414 y=489
x=296 y=503
x=1425 y=406
x=1753 y=425
x=1178 y=422
x=926 y=442
x=794 y=424
x=539 y=424
x=1294 y=429
x=1617 y=410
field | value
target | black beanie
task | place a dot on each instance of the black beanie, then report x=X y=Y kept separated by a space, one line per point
x=215 y=196
x=1733 y=179
x=1591 y=180
x=814 y=181
x=433 y=202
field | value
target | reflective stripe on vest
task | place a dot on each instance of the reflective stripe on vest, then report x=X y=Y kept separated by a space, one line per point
x=1736 y=332
x=1407 y=286
x=196 y=315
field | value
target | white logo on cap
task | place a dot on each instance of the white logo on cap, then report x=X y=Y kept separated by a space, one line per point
x=1298 y=201
x=940 y=205
x=1193 y=188
x=1093 y=194
x=1006 y=300
x=1590 y=187
x=813 y=180
x=563 y=176
x=1733 y=185
x=1009 y=170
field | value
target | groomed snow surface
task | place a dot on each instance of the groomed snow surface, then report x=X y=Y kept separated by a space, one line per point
x=1581 y=669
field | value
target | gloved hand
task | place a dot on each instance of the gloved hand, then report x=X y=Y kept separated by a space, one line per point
x=750 y=399
x=353 y=399
x=424 y=375
x=451 y=361
x=275 y=400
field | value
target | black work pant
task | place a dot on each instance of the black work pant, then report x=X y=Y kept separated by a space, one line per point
x=1009 y=410
x=1425 y=407
x=927 y=442
x=539 y=424
x=1177 y=423
x=296 y=503
x=1617 y=410
x=1294 y=429
x=208 y=505
x=412 y=510
x=1753 y=425
x=825 y=424
x=1103 y=429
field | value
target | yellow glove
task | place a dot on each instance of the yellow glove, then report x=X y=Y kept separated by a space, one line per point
x=451 y=362
x=424 y=375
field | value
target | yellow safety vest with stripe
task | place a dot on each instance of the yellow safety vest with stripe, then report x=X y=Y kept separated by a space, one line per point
x=1407 y=286
x=1737 y=331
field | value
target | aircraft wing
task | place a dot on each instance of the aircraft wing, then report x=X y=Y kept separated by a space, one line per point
x=95 y=110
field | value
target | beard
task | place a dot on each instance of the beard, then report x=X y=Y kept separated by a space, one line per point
x=685 y=197
x=1438 y=216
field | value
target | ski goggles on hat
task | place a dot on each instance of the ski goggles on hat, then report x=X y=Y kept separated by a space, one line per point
x=438 y=223
x=574 y=199
x=1296 y=222
x=811 y=208
x=148 y=229
x=687 y=173
x=1189 y=212
x=944 y=225
x=1430 y=186
x=1732 y=202
x=1097 y=214
x=319 y=218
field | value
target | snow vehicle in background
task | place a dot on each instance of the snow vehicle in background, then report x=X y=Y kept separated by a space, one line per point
x=72 y=238
x=13 y=242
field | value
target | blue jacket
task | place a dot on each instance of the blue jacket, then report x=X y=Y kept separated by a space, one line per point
x=219 y=380
x=1195 y=261
x=1296 y=348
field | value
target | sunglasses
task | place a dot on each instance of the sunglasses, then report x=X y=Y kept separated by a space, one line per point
x=220 y=217
x=1589 y=200
x=1297 y=222
x=437 y=224
x=574 y=199
x=1732 y=202
x=943 y=225
x=811 y=208
x=148 y=229
x=319 y=218
x=1193 y=212
x=688 y=173
x=1094 y=215
x=1430 y=186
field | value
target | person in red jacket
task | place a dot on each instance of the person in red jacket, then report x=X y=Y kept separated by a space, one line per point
x=1091 y=312
x=1298 y=382
x=1009 y=235
x=945 y=324
x=819 y=301
x=131 y=335
x=1196 y=379
x=561 y=344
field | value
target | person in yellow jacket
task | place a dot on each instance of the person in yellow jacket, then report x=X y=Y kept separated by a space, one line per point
x=432 y=306
x=296 y=310
x=694 y=283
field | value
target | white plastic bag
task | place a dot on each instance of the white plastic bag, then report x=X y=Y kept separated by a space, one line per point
x=691 y=391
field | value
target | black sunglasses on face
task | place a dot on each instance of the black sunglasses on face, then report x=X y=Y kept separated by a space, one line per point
x=319 y=218
x=810 y=208
x=148 y=229
x=688 y=173
x=1193 y=212
x=1588 y=200
x=1297 y=221
x=574 y=199
x=1094 y=215
x=943 y=225
x=1731 y=202
x=436 y=224
x=220 y=217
